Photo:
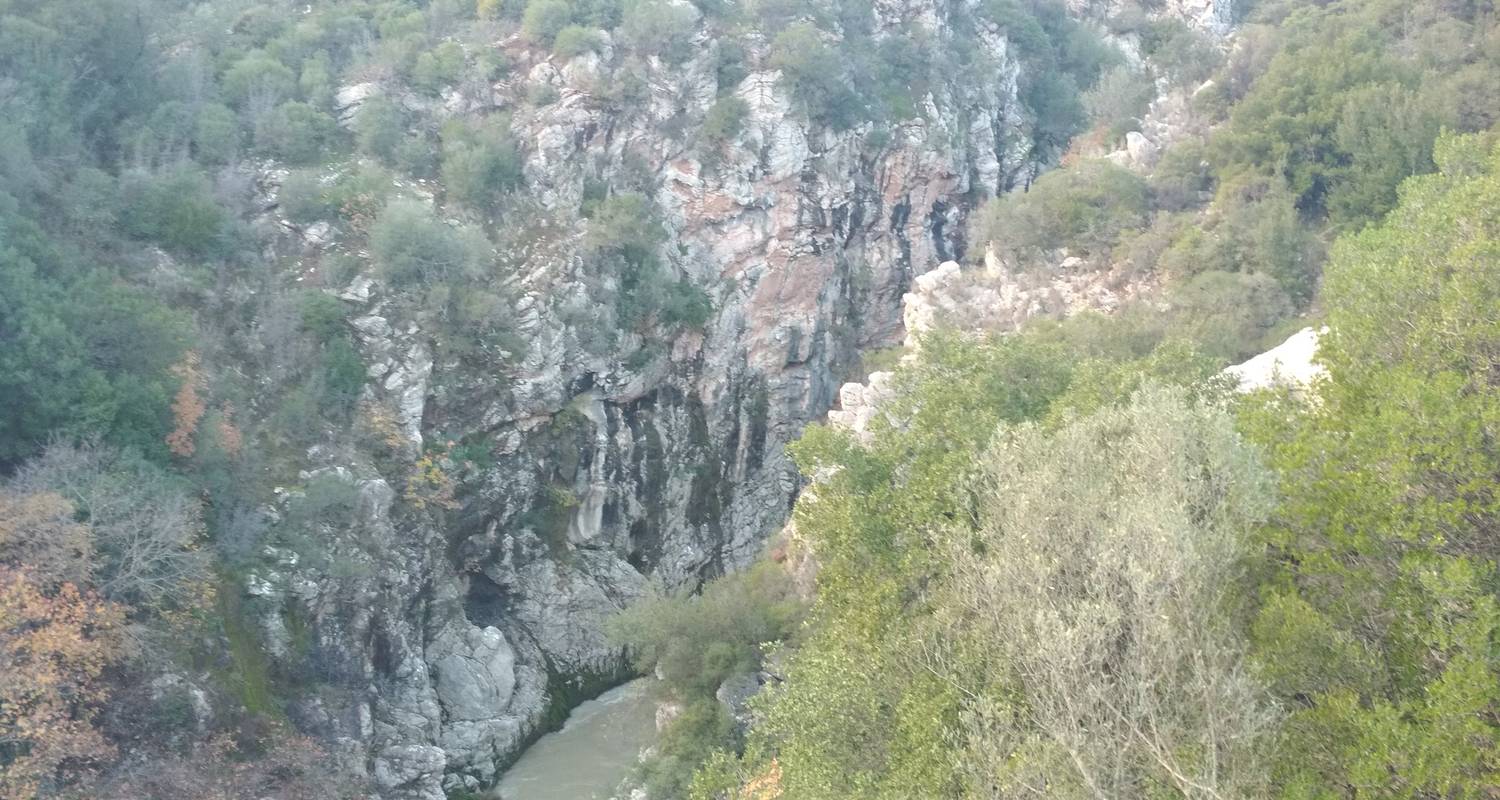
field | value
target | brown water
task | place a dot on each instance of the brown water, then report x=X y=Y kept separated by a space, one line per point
x=593 y=752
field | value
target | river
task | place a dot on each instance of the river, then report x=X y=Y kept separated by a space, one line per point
x=594 y=751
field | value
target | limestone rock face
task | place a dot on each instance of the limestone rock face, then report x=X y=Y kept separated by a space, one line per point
x=1290 y=363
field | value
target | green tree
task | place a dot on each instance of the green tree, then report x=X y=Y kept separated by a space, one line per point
x=1091 y=607
x=1378 y=619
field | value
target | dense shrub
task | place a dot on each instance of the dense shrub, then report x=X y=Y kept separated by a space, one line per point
x=480 y=161
x=574 y=40
x=379 y=128
x=660 y=27
x=544 y=19
x=175 y=208
x=438 y=67
x=725 y=119
x=216 y=134
x=1085 y=207
x=296 y=132
x=309 y=195
x=817 y=76
x=412 y=246
x=260 y=77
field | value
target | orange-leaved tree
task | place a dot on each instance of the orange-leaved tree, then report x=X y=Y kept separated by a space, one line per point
x=56 y=639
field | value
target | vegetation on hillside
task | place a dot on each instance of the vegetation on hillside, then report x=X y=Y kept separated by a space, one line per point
x=1070 y=563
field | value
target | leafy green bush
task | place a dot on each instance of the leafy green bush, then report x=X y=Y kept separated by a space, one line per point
x=1186 y=56
x=696 y=641
x=1085 y=207
x=574 y=40
x=817 y=76
x=1118 y=100
x=725 y=119
x=480 y=161
x=216 y=134
x=438 y=67
x=85 y=358
x=1229 y=314
x=625 y=224
x=309 y=195
x=1384 y=655
x=544 y=19
x=257 y=75
x=412 y=246
x=297 y=133
x=175 y=208
x=1062 y=56
x=379 y=128
x=660 y=27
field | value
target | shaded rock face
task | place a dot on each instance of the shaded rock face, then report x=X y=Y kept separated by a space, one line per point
x=599 y=457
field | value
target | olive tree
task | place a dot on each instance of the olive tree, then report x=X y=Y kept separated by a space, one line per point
x=1092 y=597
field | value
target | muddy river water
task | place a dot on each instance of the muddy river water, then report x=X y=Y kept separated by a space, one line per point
x=594 y=751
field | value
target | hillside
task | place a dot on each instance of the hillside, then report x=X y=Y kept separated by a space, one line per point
x=365 y=360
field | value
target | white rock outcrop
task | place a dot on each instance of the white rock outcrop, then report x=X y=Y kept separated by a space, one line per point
x=1291 y=363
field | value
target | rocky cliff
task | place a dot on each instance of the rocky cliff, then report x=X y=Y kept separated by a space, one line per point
x=510 y=502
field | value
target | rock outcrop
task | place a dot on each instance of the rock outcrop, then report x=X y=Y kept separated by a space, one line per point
x=1291 y=364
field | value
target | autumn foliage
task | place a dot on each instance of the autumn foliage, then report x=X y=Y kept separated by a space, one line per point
x=188 y=407
x=54 y=646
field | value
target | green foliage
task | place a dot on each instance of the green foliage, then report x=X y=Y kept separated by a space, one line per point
x=175 y=208
x=1350 y=104
x=297 y=132
x=412 y=246
x=1229 y=314
x=260 y=77
x=695 y=642
x=1378 y=615
x=574 y=40
x=480 y=161
x=1073 y=612
x=216 y=134
x=725 y=119
x=626 y=225
x=1185 y=55
x=91 y=357
x=1062 y=57
x=438 y=67
x=544 y=19
x=379 y=128
x=701 y=729
x=660 y=27
x=1084 y=208
x=817 y=75
x=625 y=235
x=309 y=195
x=1118 y=100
